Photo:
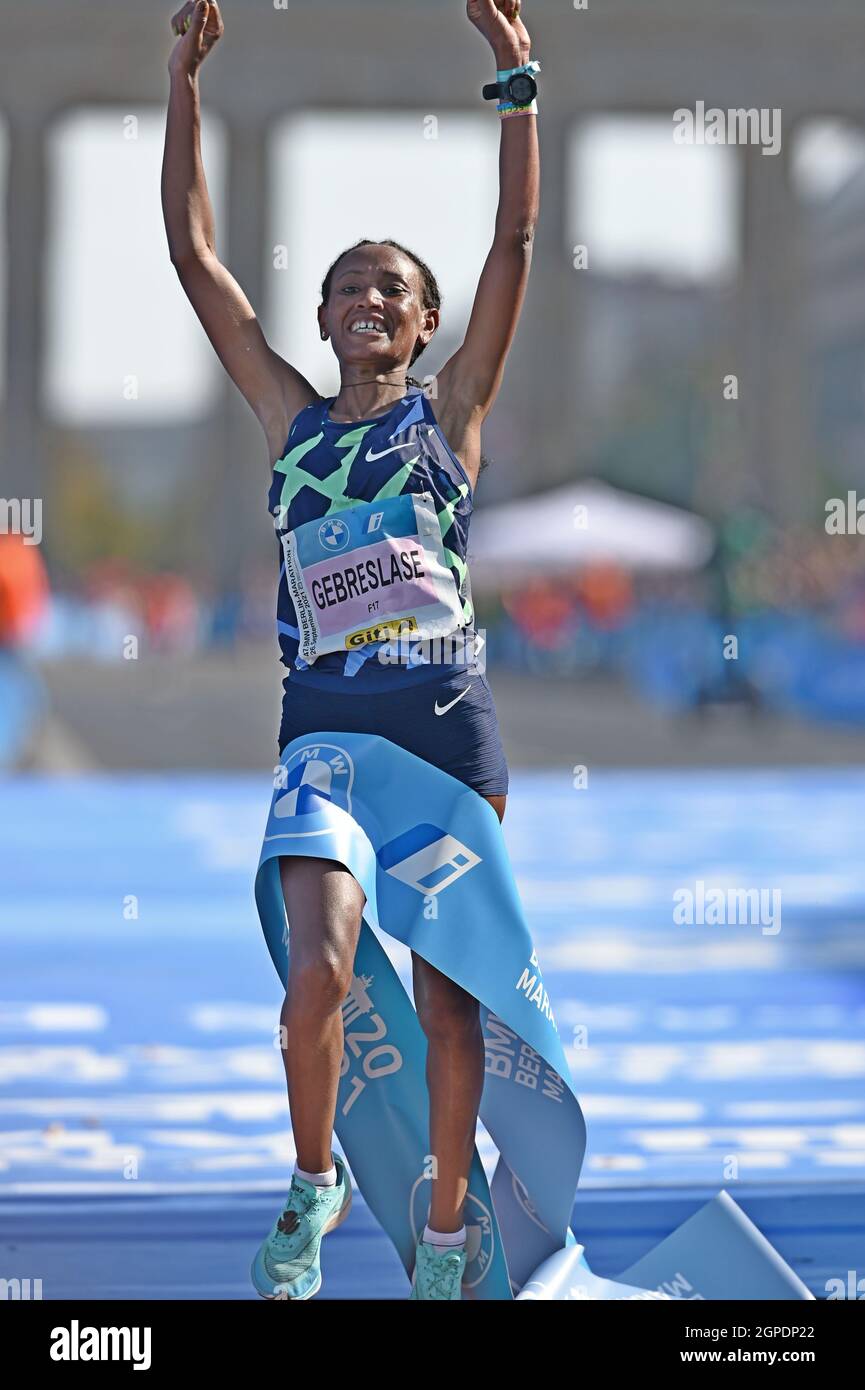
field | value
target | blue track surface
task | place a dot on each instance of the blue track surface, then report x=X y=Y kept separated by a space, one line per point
x=138 y=1002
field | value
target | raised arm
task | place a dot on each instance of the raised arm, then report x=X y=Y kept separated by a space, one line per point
x=273 y=388
x=470 y=380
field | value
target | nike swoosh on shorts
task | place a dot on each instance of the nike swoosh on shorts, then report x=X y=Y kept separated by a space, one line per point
x=453 y=702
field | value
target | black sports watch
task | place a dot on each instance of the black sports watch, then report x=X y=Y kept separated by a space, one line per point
x=520 y=88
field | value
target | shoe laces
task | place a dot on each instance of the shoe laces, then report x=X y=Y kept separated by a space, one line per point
x=298 y=1203
x=443 y=1271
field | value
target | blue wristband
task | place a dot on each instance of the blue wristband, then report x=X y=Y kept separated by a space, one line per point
x=531 y=67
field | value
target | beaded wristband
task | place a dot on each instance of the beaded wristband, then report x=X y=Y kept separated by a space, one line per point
x=519 y=110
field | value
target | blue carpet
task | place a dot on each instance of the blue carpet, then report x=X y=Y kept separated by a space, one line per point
x=138 y=1002
x=200 y=1246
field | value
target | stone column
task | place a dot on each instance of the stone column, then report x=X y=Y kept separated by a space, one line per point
x=529 y=432
x=775 y=393
x=24 y=464
x=239 y=473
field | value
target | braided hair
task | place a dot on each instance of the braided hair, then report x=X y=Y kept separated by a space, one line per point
x=432 y=298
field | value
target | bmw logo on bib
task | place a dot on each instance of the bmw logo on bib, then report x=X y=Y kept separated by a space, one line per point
x=334 y=535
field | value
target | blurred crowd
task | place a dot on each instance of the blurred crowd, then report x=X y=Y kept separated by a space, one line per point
x=793 y=602
x=95 y=615
x=756 y=570
x=775 y=621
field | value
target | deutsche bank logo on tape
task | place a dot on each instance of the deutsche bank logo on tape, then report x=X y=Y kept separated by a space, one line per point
x=427 y=858
x=373 y=522
x=315 y=773
x=334 y=535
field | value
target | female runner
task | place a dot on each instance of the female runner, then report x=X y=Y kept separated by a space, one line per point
x=378 y=439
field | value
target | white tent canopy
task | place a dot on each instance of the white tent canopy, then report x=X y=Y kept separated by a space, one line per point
x=584 y=523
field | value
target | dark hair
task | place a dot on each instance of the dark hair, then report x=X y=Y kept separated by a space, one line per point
x=432 y=298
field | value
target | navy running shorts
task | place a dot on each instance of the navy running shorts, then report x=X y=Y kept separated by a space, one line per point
x=449 y=722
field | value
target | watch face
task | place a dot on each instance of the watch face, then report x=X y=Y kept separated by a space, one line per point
x=523 y=89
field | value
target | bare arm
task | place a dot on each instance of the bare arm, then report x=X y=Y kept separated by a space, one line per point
x=275 y=390
x=471 y=379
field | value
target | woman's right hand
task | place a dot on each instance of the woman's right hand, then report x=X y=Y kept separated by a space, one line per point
x=199 y=26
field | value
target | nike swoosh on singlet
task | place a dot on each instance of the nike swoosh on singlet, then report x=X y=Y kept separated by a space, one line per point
x=371 y=457
x=453 y=702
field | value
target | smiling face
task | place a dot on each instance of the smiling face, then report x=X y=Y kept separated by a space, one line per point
x=375 y=311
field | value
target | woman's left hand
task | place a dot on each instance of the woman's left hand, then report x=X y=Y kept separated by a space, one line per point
x=500 y=23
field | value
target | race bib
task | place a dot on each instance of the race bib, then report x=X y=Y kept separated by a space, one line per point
x=370 y=573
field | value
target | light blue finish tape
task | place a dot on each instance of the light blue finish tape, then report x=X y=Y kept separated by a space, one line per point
x=430 y=856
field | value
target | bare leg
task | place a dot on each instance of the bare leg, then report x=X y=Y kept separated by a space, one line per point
x=450 y=1018
x=455 y=1078
x=324 y=903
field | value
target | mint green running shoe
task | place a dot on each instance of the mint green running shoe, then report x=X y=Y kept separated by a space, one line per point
x=438 y=1272
x=287 y=1264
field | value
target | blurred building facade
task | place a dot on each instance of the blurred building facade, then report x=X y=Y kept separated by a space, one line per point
x=792 y=328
